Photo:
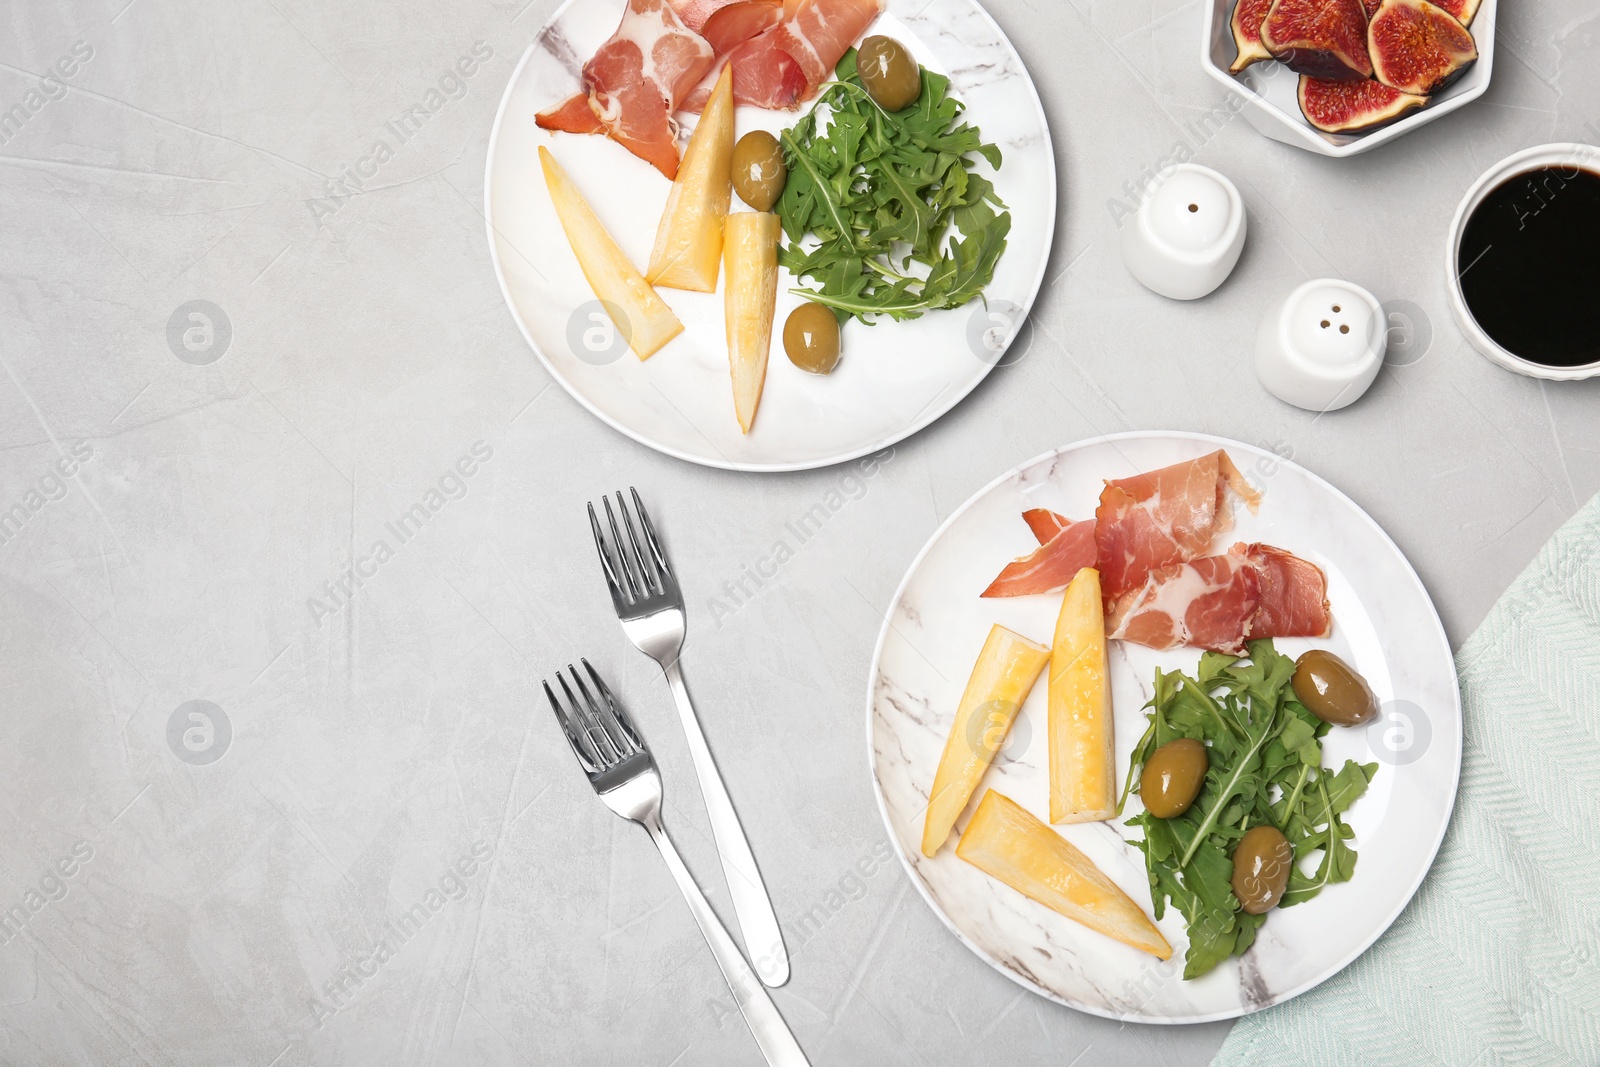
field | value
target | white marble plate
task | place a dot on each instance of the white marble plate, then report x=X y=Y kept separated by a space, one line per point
x=1384 y=624
x=893 y=379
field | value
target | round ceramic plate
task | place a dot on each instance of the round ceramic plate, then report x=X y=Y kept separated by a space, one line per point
x=893 y=379
x=1384 y=624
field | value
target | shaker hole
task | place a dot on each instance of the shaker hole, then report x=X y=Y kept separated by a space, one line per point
x=1324 y=324
x=1344 y=329
x=1194 y=207
x=1336 y=309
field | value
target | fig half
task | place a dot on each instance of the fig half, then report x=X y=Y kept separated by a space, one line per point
x=1247 y=18
x=1418 y=47
x=1348 y=106
x=1319 y=38
x=1463 y=10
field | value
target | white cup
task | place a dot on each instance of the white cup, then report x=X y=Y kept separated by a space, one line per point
x=1565 y=154
x=1187 y=234
x=1321 y=344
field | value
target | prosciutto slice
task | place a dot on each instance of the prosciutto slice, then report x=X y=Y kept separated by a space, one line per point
x=1045 y=523
x=784 y=64
x=1208 y=602
x=1220 y=602
x=1294 y=594
x=1153 y=521
x=1053 y=564
x=634 y=82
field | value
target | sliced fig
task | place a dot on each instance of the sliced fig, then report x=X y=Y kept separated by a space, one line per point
x=1463 y=10
x=1319 y=38
x=1348 y=106
x=1418 y=47
x=1247 y=18
x=1371 y=7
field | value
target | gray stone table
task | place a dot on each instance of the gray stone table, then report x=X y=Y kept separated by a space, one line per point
x=184 y=526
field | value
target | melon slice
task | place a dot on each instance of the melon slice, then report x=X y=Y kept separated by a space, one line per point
x=636 y=310
x=750 y=298
x=1083 y=773
x=999 y=684
x=1006 y=842
x=688 y=247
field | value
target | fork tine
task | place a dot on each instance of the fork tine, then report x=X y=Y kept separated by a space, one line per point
x=607 y=751
x=647 y=571
x=664 y=568
x=589 y=764
x=605 y=557
x=635 y=583
x=603 y=715
x=619 y=716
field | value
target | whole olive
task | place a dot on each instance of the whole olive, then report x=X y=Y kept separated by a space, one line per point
x=1261 y=863
x=811 y=338
x=891 y=76
x=758 y=170
x=1172 y=777
x=1332 y=690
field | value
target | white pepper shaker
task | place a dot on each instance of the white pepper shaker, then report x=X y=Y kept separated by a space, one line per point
x=1320 y=346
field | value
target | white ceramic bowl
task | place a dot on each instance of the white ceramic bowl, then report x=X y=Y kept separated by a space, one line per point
x=1546 y=155
x=1266 y=91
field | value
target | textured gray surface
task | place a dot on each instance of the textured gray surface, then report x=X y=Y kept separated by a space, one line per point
x=378 y=743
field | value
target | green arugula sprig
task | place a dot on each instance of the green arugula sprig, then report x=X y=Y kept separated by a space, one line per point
x=874 y=192
x=1265 y=755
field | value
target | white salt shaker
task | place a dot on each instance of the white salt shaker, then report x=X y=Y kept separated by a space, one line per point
x=1321 y=345
x=1187 y=235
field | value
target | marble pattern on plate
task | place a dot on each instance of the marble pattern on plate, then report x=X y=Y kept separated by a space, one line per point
x=1385 y=625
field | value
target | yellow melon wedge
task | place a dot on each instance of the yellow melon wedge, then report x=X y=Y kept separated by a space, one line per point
x=636 y=310
x=1083 y=774
x=750 y=297
x=1006 y=842
x=1006 y=670
x=689 y=240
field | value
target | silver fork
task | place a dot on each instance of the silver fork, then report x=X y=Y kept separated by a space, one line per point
x=647 y=599
x=619 y=767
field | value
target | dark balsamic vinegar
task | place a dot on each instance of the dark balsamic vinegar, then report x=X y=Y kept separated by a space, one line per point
x=1529 y=265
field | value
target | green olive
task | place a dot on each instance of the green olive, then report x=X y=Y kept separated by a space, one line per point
x=1332 y=690
x=1261 y=863
x=811 y=337
x=758 y=170
x=1172 y=777
x=891 y=76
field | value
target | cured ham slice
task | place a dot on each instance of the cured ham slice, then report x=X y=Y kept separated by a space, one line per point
x=784 y=65
x=695 y=13
x=1045 y=523
x=1294 y=594
x=730 y=26
x=1208 y=602
x=1052 y=565
x=572 y=115
x=1220 y=602
x=1161 y=518
x=635 y=80
x=817 y=33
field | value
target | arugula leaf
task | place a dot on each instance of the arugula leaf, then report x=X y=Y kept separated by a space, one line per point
x=871 y=193
x=1265 y=754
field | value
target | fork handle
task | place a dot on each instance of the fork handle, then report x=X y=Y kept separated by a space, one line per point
x=760 y=1014
x=751 y=903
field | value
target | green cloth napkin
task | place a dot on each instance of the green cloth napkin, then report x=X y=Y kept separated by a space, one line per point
x=1497 y=958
